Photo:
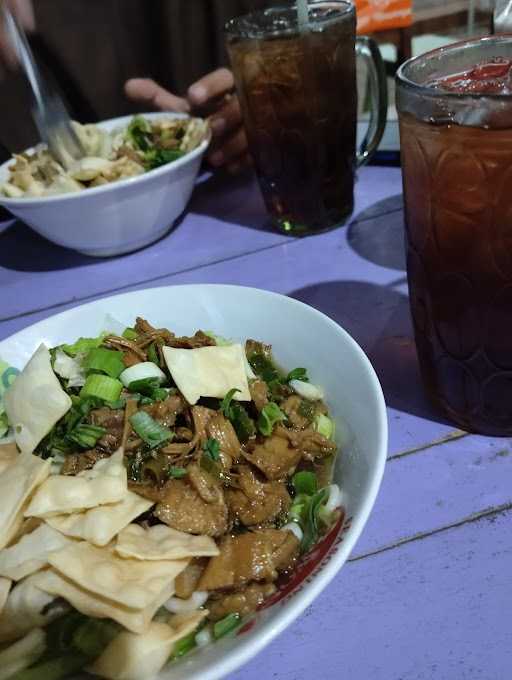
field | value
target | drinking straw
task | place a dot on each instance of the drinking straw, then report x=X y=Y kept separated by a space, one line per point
x=303 y=14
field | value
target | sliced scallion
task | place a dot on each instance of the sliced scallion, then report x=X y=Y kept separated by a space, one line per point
x=86 y=436
x=149 y=430
x=226 y=625
x=143 y=371
x=184 y=646
x=83 y=345
x=102 y=387
x=225 y=404
x=298 y=374
x=305 y=482
x=324 y=425
x=311 y=528
x=145 y=386
x=130 y=334
x=269 y=416
x=211 y=448
x=103 y=360
x=175 y=472
x=153 y=354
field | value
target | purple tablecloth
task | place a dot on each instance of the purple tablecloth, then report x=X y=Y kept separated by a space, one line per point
x=426 y=592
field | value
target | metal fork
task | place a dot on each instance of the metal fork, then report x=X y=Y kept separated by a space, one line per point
x=49 y=111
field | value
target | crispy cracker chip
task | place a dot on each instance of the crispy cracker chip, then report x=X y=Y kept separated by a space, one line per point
x=35 y=401
x=17 y=482
x=208 y=371
x=130 y=583
x=60 y=494
x=30 y=553
x=100 y=525
x=5 y=586
x=90 y=604
x=132 y=657
x=160 y=542
x=8 y=455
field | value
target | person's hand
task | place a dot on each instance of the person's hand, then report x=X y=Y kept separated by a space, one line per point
x=210 y=97
x=23 y=10
x=214 y=96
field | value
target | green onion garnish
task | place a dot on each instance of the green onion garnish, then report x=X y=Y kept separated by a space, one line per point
x=160 y=394
x=130 y=334
x=116 y=405
x=264 y=367
x=102 y=387
x=176 y=472
x=298 y=374
x=225 y=404
x=149 y=430
x=226 y=625
x=102 y=360
x=184 y=646
x=310 y=527
x=211 y=449
x=144 y=386
x=305 y=482
x=154 y=158
x=269 y=416
x=153 y=354
x=83 y=345
x=86 y=436
x=324 y=425
x=297 y=512
x=93 y=635
x=243 y=424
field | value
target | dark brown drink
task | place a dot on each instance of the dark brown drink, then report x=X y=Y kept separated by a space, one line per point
x=298 y=97
x=458 y=200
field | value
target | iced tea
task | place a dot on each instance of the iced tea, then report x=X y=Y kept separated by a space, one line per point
x=457 y=175
x=298 y=96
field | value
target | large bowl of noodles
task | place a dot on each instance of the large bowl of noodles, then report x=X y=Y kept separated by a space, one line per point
x=303 y=338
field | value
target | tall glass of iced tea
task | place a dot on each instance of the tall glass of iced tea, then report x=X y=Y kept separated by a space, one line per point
x=297 y=88
x=455 y=109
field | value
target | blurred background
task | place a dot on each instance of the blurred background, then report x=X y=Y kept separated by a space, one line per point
x=93 y=46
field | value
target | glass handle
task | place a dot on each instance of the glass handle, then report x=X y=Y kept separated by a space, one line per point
x=367 y=49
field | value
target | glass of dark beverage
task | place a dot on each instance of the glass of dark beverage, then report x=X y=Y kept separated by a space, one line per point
x=297 y=89
x=455 y=114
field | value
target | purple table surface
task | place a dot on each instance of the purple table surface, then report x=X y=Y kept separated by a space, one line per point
x=423 y=595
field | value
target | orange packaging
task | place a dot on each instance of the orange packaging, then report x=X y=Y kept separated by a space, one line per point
x=380 y=15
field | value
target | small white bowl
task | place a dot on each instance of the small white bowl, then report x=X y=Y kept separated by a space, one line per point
x=301 y=336
x=115 y=218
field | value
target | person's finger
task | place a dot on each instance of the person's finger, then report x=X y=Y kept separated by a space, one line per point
x=227 y=118
x=211 y=86
x=241 y=164
x=230 y=148
x=7 y=51
x=151 y=93
x=23 y=10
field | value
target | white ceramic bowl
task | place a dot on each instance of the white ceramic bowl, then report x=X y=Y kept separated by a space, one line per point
x=115 y=218
x=301 y=336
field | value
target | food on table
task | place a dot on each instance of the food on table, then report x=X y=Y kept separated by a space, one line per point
x=158 y=491
x=143 y=145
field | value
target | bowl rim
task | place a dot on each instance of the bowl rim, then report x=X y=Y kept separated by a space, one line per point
x=136 y=180
x=246 y=649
